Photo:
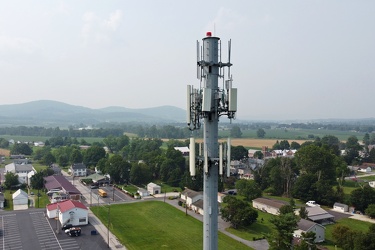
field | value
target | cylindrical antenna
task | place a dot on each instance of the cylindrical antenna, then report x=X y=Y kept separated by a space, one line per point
x=192 y=156
x=228 y=157
x=188 y=105
x=221 y=159
x=205 y=160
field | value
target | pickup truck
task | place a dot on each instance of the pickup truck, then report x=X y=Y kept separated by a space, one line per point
x=312 y=204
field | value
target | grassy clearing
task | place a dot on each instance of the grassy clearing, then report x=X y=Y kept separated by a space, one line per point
x=262 y=227
x=356 y=225
x=156 y=225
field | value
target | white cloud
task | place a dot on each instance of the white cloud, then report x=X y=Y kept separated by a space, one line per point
x=17 y=45
x=99 y=30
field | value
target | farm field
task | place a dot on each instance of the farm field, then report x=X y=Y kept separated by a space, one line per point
x=157 y=225
x=253 y=143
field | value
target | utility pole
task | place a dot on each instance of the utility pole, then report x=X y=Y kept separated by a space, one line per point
x=209 y=102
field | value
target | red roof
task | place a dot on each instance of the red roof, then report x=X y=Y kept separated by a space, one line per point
x=66 y=205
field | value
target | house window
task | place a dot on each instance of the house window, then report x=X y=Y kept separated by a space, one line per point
x=82 y=219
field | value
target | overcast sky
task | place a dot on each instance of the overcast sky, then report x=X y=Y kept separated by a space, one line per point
x=291 y=59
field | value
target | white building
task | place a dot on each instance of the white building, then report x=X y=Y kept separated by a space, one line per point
x=78 y=169
x=153 y=188
x=20 y=200
x=24 y=171
x=340 y=207
x=305 y=226
x=191 y=196
x=69 y=211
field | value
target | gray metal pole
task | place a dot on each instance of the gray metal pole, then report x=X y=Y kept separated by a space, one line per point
x=210 y=133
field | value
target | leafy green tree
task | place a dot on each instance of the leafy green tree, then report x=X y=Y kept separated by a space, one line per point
x=37 y=180
x=366 y=140
x=21 y=148
x=4 y=143
x=284 y=225
x=332 y=142
x=304 y=187
x=236 y=132
x=63 y=160
x=295 y=145
x=261 y=133
x=352 y=150
x=118 y=169
x=258 y=155
x=343 y=236
x=48 y=159
x=76 y=156
x=286 y=209
x=238 y=153
x=11 y=180
x=370 y=210
x=303 y=213
x=140 y=173
x=284 y=144
x=237 y=212
x=93 y=155
x=249 y=189
x=307 y=242
x=361 y=198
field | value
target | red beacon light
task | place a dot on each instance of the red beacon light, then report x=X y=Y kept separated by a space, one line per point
x=208 y=33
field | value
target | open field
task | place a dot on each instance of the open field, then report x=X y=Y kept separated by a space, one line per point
x=253 y=143
x=157 y=225
x=4 y=152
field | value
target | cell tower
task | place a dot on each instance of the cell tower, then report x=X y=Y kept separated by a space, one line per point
x=208 y=103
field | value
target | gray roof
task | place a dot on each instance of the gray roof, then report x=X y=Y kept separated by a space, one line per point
x=312 y=211
x=305 y=225
x=191 y=193
x=78 y=166
x=340 y=205
x=321 y=217
x=270 y=202
x=198 y=204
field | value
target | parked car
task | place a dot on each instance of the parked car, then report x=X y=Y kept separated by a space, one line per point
x=312 y=204
x=74 y=231
x=94 y=186
x=66 y=226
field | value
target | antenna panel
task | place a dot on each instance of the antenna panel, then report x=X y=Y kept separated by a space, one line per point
x=228 y=157
x=188 y=105
x=192 y=156
x=198 y=60
x=221 y=159
x=232 y=105
x=205 y=160
x=206 y=102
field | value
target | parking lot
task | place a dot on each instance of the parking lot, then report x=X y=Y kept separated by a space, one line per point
x=31 y=229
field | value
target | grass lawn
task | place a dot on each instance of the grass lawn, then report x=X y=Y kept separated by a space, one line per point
x=156 y=225
x=260 y=228
x=356 y=225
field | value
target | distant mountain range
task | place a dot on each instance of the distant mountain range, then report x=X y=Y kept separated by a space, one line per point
x=53 y=113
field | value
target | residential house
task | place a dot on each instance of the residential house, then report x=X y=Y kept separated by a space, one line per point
x=17 y=156
x=268 y=205
x=68 y=211
x=364 y=169
x=340 y=207
x=251 y=152
x=22 y=161
x=20 y=200
x=306 y=226
x=197 y=207
x=59 y=182
x=319 y=215
x=78 y=169
x=184 y=150
x=190 y=196
x=24 y=171
x=39 y=144
x=153 y=188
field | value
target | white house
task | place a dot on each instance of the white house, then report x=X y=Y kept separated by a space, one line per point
x=20 y=200
x=268 y=205
x=143 y=192
x=364 y=169
x=197 y=207
x=191 y=196
x=78 y=169
x=305 y=226
x=184 y=150
x=23 y=171
x=340 y=207
x=153 y=188
x=69 y=211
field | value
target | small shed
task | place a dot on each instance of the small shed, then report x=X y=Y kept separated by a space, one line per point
x=2 y=199
x=20 y=200
x=340 y=207
x=268 y=205
x=153 y=188
x=143 y=192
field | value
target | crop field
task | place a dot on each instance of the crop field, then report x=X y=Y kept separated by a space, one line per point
x=253 y=143
x=158 y=225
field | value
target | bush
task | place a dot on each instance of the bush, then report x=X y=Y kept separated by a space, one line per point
x=180 y=203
